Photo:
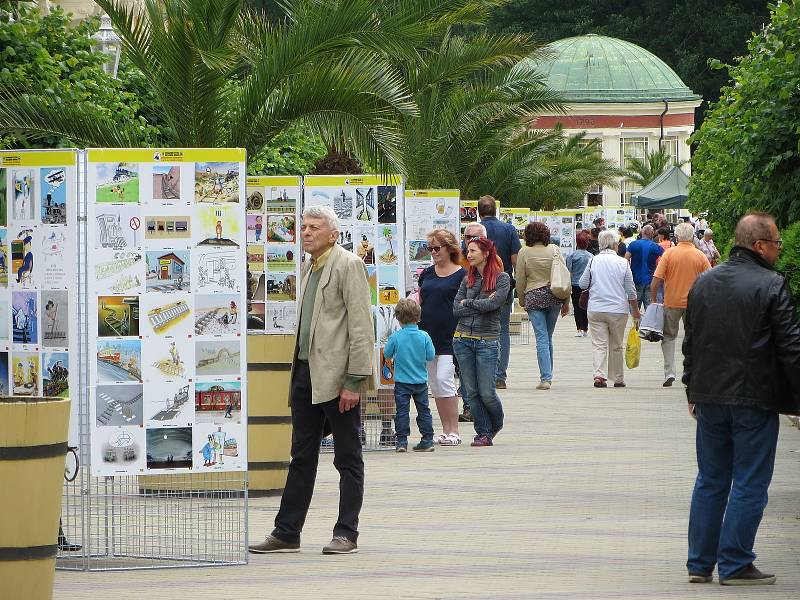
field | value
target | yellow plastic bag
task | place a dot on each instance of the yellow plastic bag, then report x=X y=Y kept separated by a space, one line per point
x=633 y=350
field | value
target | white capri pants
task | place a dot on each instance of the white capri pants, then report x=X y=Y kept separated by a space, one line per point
x=442 y=376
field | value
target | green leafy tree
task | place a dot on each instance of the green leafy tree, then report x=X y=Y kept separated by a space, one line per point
x=683 y=33
x=643 y=171
x=748 y=149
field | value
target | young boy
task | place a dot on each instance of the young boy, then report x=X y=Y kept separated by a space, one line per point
x=411 y=350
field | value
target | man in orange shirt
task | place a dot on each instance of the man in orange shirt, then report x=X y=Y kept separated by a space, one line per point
x=677 y=271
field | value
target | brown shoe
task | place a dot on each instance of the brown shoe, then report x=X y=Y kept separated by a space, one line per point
x=272 y=545
x=340 y=545
x=500 y=384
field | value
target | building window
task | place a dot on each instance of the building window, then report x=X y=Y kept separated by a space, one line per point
x=627 y=188
x=632 y=148
x=594 y=196
x=671 y=146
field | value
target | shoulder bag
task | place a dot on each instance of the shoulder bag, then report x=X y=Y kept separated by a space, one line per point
x=583 y=301
x=560 y=277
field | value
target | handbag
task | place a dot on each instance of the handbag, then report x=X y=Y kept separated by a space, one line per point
x=633 y=349
x=583 y=300
x=560 y=277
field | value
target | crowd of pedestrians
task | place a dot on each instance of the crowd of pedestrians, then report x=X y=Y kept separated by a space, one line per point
x=454 y=340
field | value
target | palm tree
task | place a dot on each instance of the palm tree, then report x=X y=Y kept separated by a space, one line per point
x=225 y=76
x=643 y=171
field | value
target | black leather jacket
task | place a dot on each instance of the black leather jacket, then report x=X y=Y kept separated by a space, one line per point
x=742 y=344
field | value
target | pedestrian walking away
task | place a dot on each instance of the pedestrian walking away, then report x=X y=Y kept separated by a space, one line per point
x=411 y=350
x=333 y=365
x=612 y=297
x=677 y=271
x=740 y=372
x=643 y=255
x=534 y=266
x=507 y=245
x=477 y=307
x=576 y=262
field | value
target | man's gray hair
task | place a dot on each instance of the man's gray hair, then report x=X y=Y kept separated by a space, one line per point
x=752 y=227
x=481 y=229
x=648 y=232
x=684 y=232
x=607 y=239
x=321 y=211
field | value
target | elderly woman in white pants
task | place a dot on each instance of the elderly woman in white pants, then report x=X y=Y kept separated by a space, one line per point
x=612 y=297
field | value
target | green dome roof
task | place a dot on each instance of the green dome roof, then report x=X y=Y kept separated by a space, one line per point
x=596 y=68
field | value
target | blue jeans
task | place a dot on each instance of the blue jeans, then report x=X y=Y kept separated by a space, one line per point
x=403 y=392
x=505 y=341
x=544 y=323
x=643 y=295
x=477 y=360
x=735 y=444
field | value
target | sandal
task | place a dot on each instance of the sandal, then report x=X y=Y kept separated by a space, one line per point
x=439 y=439
x=599 y=382
x=451 y=439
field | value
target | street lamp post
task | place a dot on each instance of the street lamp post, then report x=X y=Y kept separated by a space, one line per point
x=110 y=44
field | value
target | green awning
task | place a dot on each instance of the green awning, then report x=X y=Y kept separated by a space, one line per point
x=668 y=190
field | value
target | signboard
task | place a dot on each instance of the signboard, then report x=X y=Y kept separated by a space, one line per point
x=274 y=254
x=426 y=210
x=166 y=234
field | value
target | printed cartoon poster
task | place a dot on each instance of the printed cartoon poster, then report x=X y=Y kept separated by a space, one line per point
x=38 y=276
x=170 y=235
x=274 y=253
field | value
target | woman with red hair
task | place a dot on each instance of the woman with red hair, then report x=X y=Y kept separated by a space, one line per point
x=475 y=343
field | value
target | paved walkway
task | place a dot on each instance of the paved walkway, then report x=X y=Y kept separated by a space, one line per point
x=584 y=496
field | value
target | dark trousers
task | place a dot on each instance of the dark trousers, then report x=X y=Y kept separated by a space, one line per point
x=308 y=421
x=581 y=318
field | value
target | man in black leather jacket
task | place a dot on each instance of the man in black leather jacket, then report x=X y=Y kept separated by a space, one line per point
x=741 y=365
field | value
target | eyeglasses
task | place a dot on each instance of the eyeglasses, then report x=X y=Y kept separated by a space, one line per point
x=472 y=237
x=434 y=248
x=778 y=242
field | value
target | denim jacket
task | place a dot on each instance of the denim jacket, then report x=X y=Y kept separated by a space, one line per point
x=479 y=315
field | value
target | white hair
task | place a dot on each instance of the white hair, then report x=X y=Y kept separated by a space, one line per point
x=648 y=232
x=684 y=232
x=607 y=239
x=481 y=229
x=323 y=212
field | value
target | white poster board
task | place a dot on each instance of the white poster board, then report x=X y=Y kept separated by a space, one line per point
x=166 y=234
x=370 y=210
x=274 y=254
x=426 y=210
x=38 y=283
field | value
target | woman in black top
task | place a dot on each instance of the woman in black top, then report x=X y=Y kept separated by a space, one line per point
x=438 y=285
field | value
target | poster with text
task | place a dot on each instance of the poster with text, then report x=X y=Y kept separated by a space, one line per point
x=38 y=281
x=371 y=211
x=426 y=210
x=274 y=253
x=168 y=233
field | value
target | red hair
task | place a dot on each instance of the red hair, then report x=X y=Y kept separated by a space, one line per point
x=492 y=268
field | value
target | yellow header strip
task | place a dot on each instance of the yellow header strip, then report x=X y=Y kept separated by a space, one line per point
x=38 y=158
x=337 y=180
x=278 y=180
x=166 y=155
x=433 y=194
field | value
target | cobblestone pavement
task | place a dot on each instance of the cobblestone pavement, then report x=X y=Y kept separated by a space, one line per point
x=584 y=496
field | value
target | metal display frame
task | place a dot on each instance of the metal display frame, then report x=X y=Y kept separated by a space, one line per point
x=141 y=522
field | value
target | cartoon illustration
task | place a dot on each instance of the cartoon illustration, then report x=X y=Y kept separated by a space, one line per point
x=255 y=200
x=166 y=182
x=280 y=202
x=217 y=400
x=217 y=358
x=24 y=317
x=256 y=318
x=4 y=262
x=169 y=448
x=281 y=228
x=22 y=198
x=119 y=360
x=22 y=258
x=387 y=204
x=55 y=376
x=386 y=254
x=365 y=204
x=54 y=268
x=117 y=182
x=280 y=317
x=117 y=316
x=4 y=379
x=280 y=257
x=365 y=248
x=216 y=182
x=54 y=196
x=216 y=314
x=25 y=368
x=121 y=447
x=217 y=226
x=167 y=271
x=281 y=287
x=343 y=205
x=167 y=227
x=218 y=271
x=171 y=403
x=164 y=319
x=55 y=321
x=118 y=405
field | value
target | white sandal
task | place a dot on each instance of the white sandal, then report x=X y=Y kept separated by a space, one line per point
x=451 y=439
x=440 y=439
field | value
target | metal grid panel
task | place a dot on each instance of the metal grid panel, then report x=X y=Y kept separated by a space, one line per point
x=160 y=521
x=377 y=422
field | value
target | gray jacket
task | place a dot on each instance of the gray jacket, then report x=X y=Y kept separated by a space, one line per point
x=479 y=315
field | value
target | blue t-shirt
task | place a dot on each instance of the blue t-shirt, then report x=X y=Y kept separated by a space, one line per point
x=505 y=238
x=411 y=349
x=644 y=255
x=437 y=295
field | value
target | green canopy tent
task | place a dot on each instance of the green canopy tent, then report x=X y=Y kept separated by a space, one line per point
x=668 y=190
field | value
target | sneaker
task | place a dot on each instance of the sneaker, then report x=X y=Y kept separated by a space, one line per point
x=500 y=384
x=424 y=446
x=698 y=578
x=401 y=447
x=749 y=576
x=273 y=545
x=340 y=545
x=668 y=382
x=465 y=417
x=583 y=334
x=619 y=384
x=579 y=334
x=543 y=385
x=481 y=440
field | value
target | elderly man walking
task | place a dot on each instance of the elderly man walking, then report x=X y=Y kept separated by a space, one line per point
x=741 y=362
x=677 y=271
x=643 y=255
x=506 y=241
x=333 y=360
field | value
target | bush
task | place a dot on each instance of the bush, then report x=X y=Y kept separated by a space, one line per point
x=789 y=262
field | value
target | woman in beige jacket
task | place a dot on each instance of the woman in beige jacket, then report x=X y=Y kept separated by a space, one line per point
x=534 y=264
